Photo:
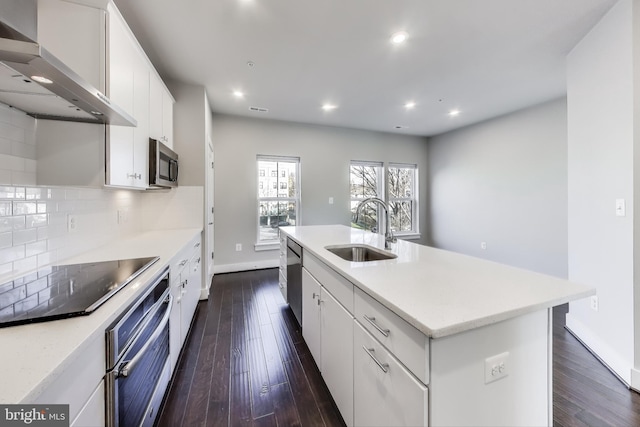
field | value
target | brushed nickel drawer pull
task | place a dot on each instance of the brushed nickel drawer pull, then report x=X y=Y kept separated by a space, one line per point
x=372 y=320
x=383 y=366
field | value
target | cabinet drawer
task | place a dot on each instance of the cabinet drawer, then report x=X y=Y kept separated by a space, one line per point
x=385 y=393
x=181 y=259
x=338 y=286
x=407 y=343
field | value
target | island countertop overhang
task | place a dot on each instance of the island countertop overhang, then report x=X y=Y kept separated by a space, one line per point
x=439 y=292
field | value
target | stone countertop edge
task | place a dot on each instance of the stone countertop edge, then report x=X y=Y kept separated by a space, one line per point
x=35 y=355
x=368 y=276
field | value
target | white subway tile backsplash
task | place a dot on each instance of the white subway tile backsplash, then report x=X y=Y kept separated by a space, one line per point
x=21 y=237
x=6 y=239
x=33 y=223
x=6 y=208
x=23 y=208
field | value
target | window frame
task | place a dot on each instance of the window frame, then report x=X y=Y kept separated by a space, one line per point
x=415 y=206
x=273 y=243
x=383 y=186
x=380 y=188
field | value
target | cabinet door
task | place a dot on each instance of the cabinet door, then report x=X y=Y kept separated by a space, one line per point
x=92 y=413
x=337 y=353
x=191 y=293
x=120 y=139
x=311 y=314
x=155 y=106
x=141 y=113
x=167 y=118
x=175 y=318
x=385 y=393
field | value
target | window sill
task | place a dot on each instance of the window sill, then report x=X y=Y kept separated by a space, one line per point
x=271 y=246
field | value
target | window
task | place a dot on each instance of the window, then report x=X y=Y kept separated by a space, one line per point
x=261 y=172
x=401 y=193
x=402 y=183
x=365 y=181
x=278 y=195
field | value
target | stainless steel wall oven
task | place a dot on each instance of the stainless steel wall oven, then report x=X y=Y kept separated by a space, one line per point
x=138 y=362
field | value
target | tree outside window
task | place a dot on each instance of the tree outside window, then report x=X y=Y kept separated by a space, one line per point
x=365 y=181
x=401 y=183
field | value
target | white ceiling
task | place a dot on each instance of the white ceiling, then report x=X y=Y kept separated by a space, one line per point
x=483 y=57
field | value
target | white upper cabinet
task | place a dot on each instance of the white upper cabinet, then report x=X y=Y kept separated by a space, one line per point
x=133 y=84
x=75 y=34
x=161 y=112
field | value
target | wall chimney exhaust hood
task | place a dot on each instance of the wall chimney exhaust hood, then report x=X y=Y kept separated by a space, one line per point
x=36 y=82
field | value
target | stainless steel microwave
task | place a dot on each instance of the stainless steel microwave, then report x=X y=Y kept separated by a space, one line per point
x=163 y=165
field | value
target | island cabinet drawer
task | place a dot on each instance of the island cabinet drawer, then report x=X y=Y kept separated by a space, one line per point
x=385 y=393
x=338 y=286
x=407 y=343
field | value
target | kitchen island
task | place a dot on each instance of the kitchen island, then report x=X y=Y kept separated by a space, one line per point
x=430 y=337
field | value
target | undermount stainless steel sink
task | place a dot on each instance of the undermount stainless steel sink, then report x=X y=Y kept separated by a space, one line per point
x=360 y=253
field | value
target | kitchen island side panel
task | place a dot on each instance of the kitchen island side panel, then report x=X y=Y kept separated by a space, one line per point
x=521 y=398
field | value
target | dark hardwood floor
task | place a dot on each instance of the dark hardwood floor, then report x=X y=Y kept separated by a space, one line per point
x=245 y=363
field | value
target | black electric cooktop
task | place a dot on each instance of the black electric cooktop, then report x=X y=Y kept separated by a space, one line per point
x=63 y=291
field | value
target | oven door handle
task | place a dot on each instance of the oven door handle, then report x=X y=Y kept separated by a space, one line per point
x=125 y=368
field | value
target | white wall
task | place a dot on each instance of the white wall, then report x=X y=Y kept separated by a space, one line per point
x=17 y=147
x=601 y=169
x=504 y=182
x=325 y=153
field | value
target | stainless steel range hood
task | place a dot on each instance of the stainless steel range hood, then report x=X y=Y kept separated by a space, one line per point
x=38 y=83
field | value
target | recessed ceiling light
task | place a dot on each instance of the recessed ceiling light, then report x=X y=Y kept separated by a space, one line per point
x=41 y=79
x=238 y=94
x=454 y=113
x=399 y=37
x=409 y=105
x=329 y=107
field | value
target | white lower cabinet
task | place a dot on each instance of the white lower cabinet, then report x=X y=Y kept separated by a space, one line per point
x=92 y=414
x=327 y=328
x=369 y=384
x=311 y=314
x=336 y=332
x=385 y=393
x=186 y=282
x=283 y=267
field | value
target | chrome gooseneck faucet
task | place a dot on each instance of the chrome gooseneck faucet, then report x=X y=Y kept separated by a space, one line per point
x=388 y=235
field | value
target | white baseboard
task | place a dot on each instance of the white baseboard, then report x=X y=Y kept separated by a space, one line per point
x=608 y=356
x=635 y=379
x=244 y=266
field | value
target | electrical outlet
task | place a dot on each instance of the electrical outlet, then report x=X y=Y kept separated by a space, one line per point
x=238 y=247
x=483 y=246
x=330 y=200
x=123 y=216
x=72 y=222
x=496 y=367
x=594 y=303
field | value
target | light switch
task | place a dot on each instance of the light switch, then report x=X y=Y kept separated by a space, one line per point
x=330 y=200
x=620 y=207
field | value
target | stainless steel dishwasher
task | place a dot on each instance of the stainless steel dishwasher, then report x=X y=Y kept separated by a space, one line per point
x=294 y=278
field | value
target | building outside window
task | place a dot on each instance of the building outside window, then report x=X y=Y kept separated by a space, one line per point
x=278 y=195
x=399 y=190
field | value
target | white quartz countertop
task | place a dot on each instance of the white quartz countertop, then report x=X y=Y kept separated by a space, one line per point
x=439 y=292
x=34 y=355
